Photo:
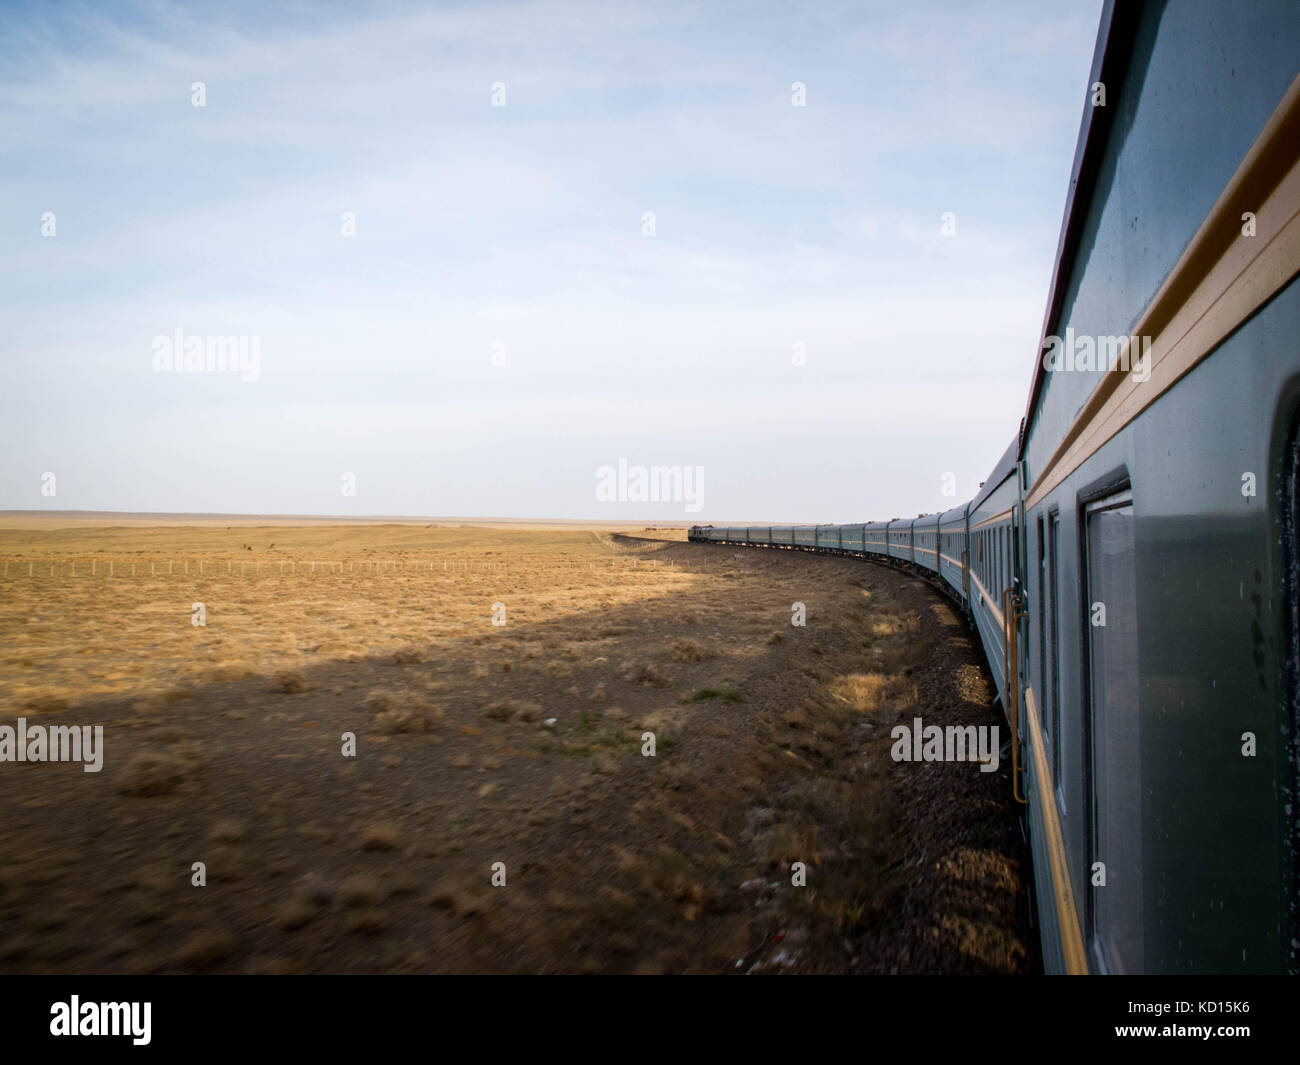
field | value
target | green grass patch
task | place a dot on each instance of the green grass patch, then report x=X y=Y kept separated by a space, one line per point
x=705 y=694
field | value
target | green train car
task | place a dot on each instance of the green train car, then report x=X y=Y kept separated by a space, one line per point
x=1131 y=564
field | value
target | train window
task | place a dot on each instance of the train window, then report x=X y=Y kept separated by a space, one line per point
x=1291 y=527
x=1010 y=555
x=1008 y=550
x=1048 y=701
x=997 y=566
x=1042 y=633
x=1002 y=561
x=1004 y=569
x=1051 y=608
x=1006 y=558
x=1114 y=748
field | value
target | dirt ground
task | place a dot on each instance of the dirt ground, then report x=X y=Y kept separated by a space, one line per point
x=476 y=743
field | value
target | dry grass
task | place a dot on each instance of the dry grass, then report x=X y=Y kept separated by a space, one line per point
x=473 y=743
x=690 y=651
x=403 y=593
x=865 y=692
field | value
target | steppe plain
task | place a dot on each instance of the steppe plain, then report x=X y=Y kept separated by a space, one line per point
x=499 y=681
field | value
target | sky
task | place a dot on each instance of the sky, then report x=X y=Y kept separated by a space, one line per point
x=488 y=253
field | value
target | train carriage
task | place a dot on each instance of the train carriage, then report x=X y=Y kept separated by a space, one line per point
x=1160 y=577
x=1137 y=598
x=851 y=539
x=876 y=535
x=900 y=540
x=828 y=538
x=952 y=550
x=925 y=541
x=992 y=556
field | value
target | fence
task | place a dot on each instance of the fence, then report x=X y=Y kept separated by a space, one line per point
x=46 y=567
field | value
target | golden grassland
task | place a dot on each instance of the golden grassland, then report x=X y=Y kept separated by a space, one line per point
x=478 y=743
x=108 y=611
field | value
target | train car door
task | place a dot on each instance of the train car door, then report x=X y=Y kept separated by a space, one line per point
x=1115 y=914
x=1016 y=613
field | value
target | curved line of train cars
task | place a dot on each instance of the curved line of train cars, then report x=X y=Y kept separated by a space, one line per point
x=1131 y=564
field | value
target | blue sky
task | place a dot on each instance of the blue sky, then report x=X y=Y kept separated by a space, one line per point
x=521 y=227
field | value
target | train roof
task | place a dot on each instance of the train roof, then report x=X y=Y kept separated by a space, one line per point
x=1001 y=471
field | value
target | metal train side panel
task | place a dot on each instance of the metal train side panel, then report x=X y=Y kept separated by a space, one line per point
x=851 y=538
x=876 y=537
x=900 y=540
x=1136 y=727
x=952 y=549
x=925 y=542
x=991 y=556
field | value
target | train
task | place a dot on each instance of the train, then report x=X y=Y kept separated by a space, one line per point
x=1130 y=565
